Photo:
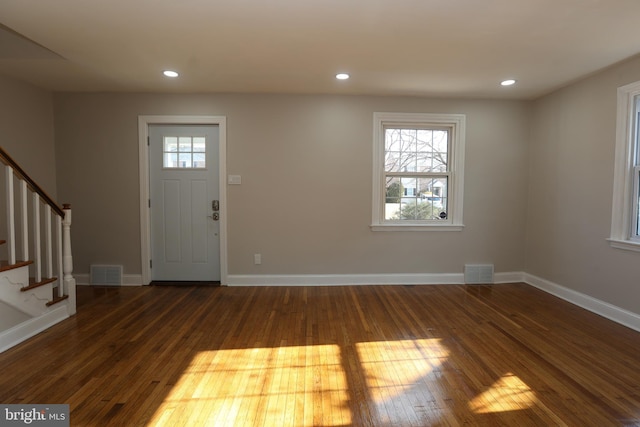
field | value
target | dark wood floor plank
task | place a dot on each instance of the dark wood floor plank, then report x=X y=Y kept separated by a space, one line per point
x=332 y=356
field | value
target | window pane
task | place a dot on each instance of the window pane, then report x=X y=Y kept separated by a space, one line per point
x=409 y=140
x=434 y=192
x=199 y=160
x=393 y=191
x=392 y=140
x=393 y=195
x=170 y=144
x=637 y=136
x=184 y=160
x=170 y=160
x=392 y=161
x=409 y=186
x=184 y=144
x=440 y=141
x=198 y=144
x=423 y=162
x=425 y=139
x=408 y=162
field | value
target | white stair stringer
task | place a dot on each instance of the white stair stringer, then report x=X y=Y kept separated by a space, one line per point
x=33 y=302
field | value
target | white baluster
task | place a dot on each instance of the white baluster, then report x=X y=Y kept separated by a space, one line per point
x=37 y=248
x=60 y=255
x=24 y=220
x=48 y=243
x=11 y=220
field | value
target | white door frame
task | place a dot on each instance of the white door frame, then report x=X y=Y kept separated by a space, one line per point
x=145 y=220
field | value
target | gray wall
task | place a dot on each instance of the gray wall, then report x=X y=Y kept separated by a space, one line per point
x=538 y=185
x=27 y=135
x=305 y=198
x=26 y=130
x=571 y=159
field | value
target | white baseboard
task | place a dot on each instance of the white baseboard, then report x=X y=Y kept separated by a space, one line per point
x=25 y=330
x=343 y=279
x=331 y=279
x=361 y=279
x=604 y=309
x=509 y=277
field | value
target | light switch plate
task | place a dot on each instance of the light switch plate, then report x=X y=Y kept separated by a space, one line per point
x=235 y=179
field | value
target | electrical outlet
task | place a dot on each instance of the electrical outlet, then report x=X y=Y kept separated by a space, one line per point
x=257 y=259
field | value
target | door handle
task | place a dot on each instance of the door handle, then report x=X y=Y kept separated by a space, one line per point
x=215 y=216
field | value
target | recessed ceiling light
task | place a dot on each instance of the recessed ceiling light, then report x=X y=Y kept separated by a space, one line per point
x=508 y=82
x=342 y=76
x=170 y=73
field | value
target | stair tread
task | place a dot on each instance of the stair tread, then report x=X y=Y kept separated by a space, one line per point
x=4 y=265
x=57 y=300
x=33 y=284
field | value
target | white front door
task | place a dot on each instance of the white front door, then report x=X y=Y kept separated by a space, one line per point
x=184 y=186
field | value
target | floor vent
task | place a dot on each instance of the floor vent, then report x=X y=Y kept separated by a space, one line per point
x=106 y=275
x=478 y=274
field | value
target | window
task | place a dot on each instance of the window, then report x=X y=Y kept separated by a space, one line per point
x=418 y=171
x=625 y=219
x=184 y=152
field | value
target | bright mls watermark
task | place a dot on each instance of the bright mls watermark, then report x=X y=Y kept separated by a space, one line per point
x=34 y=415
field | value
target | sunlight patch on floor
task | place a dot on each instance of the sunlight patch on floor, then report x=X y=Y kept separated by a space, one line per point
x=509 y=393
x=397 y=373
x=298 y=385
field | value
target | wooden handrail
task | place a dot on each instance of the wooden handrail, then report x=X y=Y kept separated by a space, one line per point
x=7 y=160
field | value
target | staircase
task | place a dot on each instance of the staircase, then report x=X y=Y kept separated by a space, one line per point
x=37 y=289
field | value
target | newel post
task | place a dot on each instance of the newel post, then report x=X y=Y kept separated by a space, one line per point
x=67 y=259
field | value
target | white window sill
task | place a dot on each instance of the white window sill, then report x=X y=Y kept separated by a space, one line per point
x=627 y=245
x=415 y=227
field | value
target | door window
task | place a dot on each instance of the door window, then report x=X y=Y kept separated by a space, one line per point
x=184 y=152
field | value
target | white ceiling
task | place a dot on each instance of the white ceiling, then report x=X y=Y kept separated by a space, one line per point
x=448 y=48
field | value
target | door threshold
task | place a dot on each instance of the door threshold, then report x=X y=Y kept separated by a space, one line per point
x=183 y=283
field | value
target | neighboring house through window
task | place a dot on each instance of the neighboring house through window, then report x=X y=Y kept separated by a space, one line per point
x=418 y=171
x=625 y=219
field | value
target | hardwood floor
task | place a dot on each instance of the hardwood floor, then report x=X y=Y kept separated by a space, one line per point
x=501 y=355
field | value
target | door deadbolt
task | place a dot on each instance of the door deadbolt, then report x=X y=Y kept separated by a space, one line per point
x=215 y=205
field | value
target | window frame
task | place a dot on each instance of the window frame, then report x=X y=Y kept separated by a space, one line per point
x=626 y=180
x=455 y=123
